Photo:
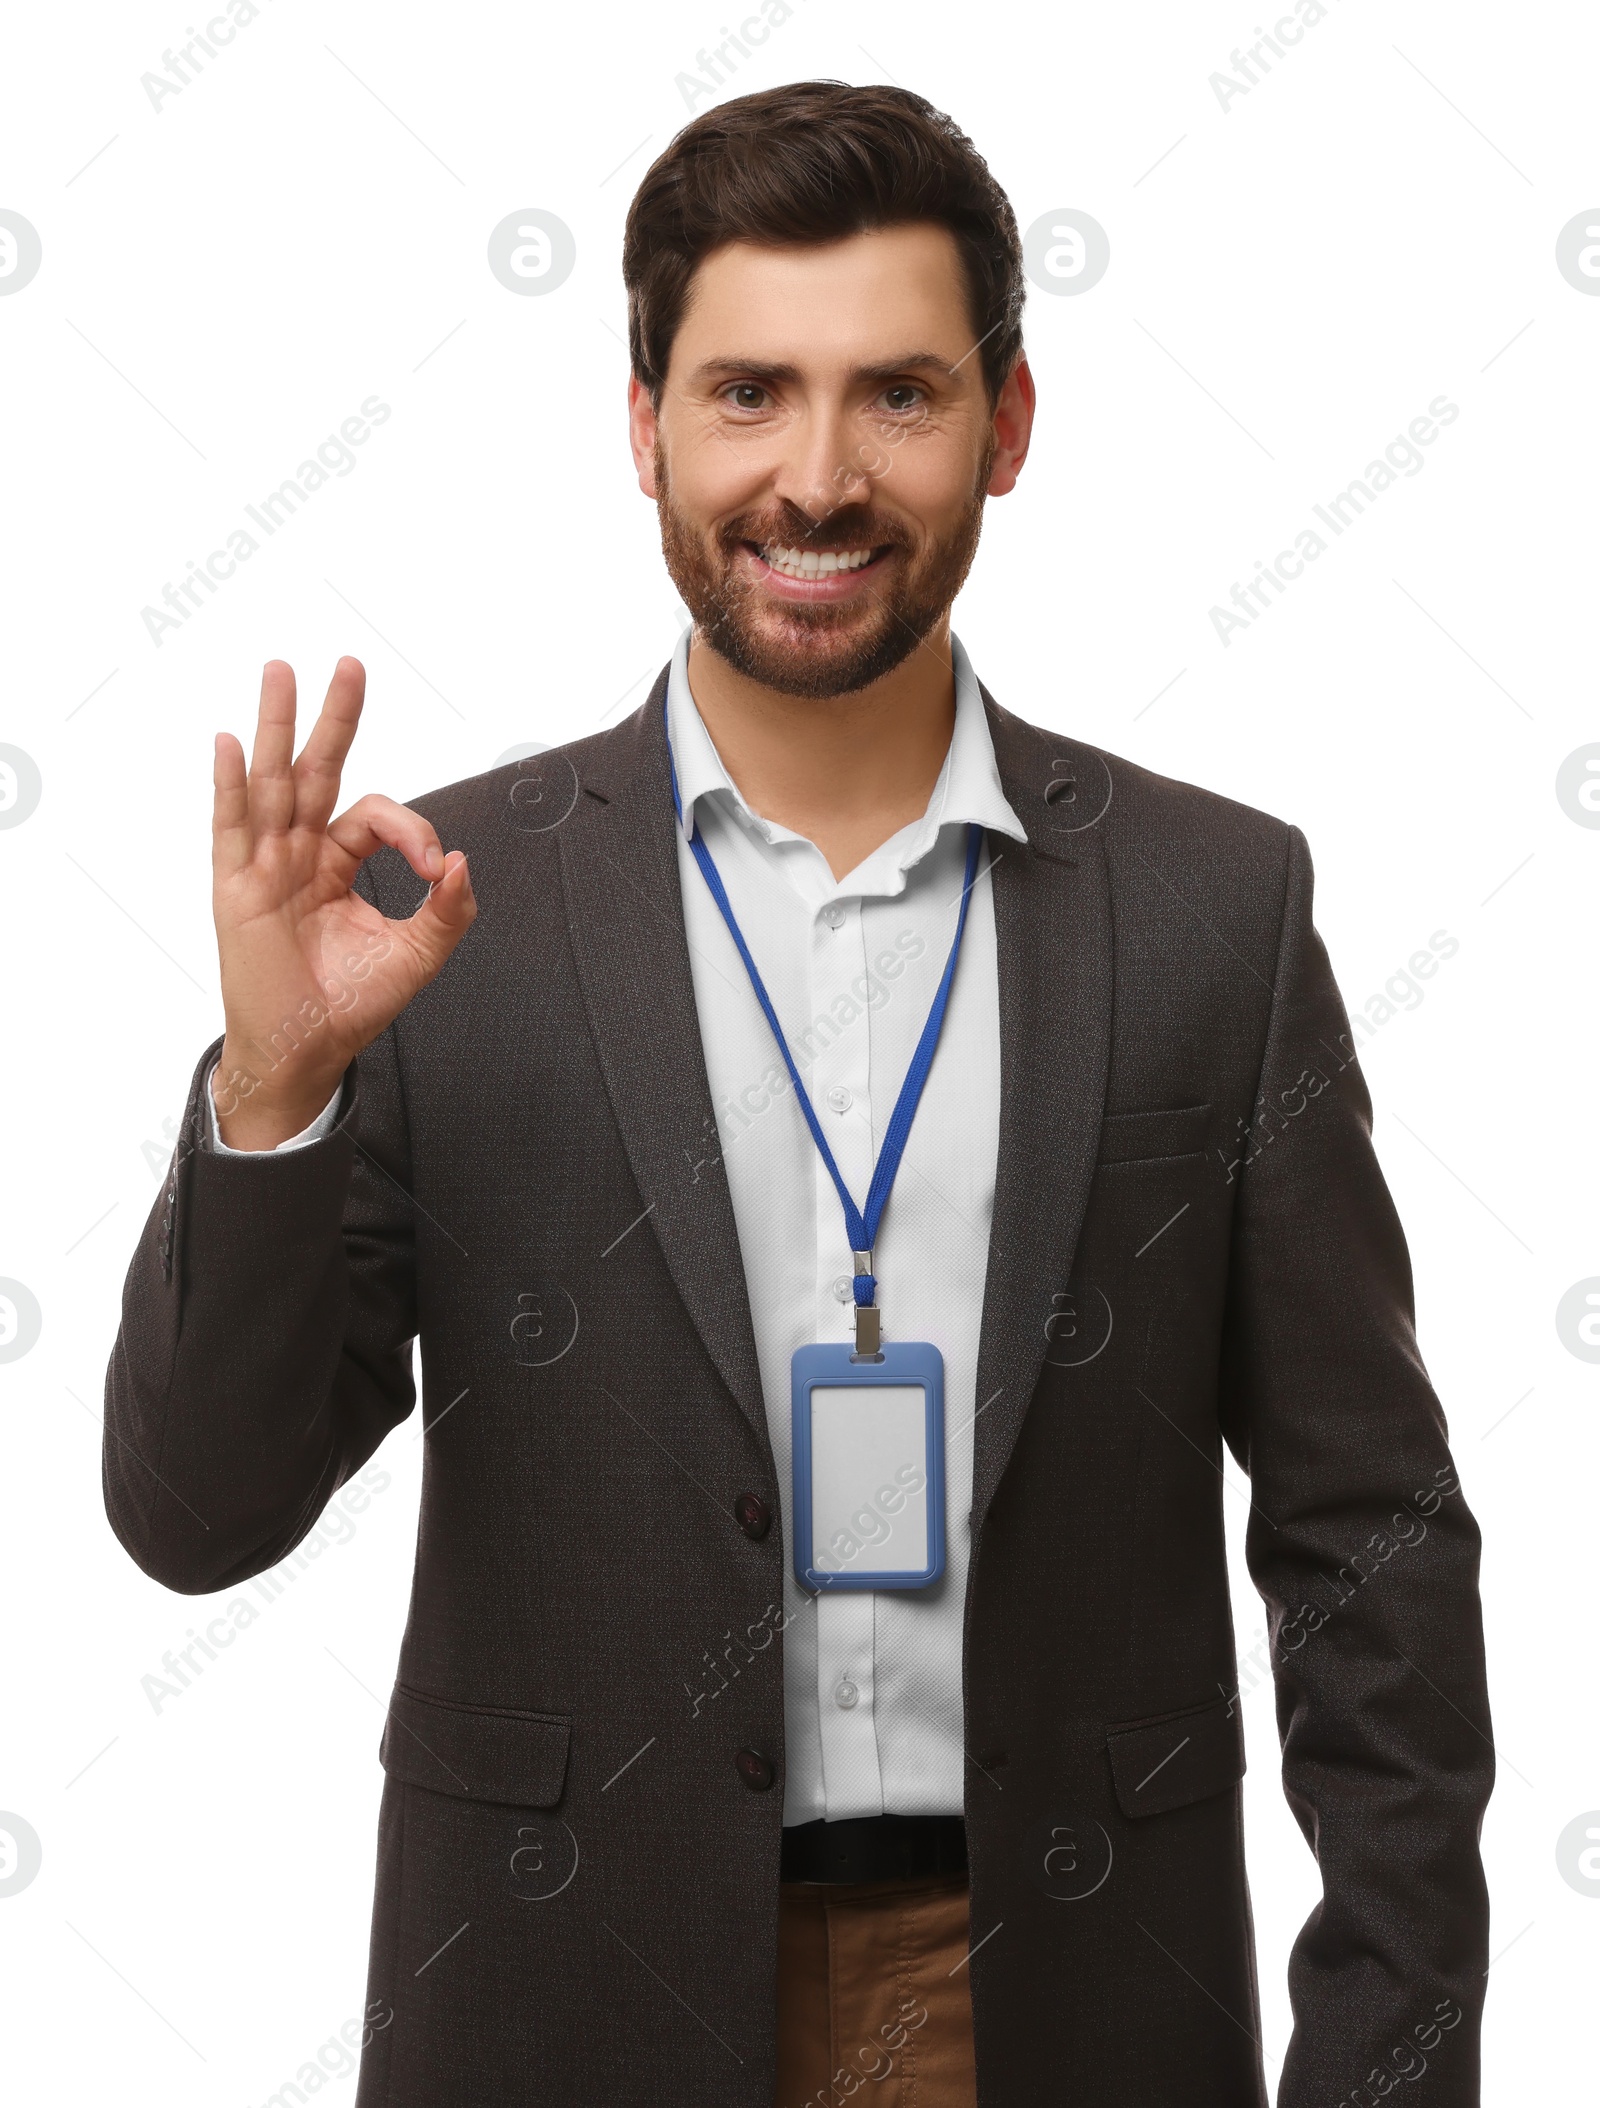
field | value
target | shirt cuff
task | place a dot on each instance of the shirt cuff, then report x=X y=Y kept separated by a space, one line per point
x=320 y=1126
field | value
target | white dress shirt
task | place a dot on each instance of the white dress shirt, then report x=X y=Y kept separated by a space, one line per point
x=872 y=1680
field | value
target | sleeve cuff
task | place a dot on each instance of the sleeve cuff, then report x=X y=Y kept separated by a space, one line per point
x=321 y=1125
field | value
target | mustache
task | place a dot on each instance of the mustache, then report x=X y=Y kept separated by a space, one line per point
x=850 y=527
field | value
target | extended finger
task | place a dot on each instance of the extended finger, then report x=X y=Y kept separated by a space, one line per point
x=376 y=822
x=230 y=809
x=322 y=758
x=271 y=784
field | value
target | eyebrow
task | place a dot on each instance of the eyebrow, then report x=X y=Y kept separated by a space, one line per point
x=781 y=370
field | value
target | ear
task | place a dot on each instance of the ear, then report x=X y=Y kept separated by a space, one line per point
x=1013 y=427
x=642 y=434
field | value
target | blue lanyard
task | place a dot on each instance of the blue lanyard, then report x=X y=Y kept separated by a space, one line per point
x=862 y=1224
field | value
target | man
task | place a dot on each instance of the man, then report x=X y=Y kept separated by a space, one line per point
x=851 y=1159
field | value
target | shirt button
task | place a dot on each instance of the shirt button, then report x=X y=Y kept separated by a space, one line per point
x=845 y=1694
x=753 y=1516
x=754 y=1769
x=840 y=1098
x=843 y=1289
x=834 y=915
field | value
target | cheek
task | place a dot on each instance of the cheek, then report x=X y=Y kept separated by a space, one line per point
x=930 y=477
x=707 y=480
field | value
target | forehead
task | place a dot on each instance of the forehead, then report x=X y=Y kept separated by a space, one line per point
x=831 y=304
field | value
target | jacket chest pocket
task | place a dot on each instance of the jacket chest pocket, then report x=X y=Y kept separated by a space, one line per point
x=1166 y=1131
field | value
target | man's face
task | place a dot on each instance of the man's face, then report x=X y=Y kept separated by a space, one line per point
x=821 y=453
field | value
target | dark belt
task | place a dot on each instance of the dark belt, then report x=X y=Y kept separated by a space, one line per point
x=875 y=1848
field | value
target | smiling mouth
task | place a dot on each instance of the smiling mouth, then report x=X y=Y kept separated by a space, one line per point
x=814 y=563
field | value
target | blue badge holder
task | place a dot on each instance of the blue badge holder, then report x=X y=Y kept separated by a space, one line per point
x=858 y=1532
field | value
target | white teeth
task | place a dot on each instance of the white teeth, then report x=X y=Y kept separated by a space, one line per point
x=813 y=563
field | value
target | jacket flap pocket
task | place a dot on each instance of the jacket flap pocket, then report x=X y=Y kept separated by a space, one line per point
x=480 y=1753
x=1177 y=1130
x=1176 y=1758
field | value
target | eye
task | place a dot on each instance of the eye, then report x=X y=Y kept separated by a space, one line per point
x=901 y=396
x=746 y=395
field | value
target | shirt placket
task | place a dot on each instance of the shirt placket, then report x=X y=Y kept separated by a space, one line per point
x=840 y=1082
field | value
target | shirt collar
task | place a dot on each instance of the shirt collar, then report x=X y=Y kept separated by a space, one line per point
x=968 y=787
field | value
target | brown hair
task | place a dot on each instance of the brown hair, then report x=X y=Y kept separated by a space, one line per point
x=817 y=161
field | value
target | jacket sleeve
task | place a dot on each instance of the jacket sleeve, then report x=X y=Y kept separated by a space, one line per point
x=265 y=1344
x=1363 y=1549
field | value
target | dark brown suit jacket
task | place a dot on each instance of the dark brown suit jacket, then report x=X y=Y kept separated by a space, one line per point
x=1192 y=1244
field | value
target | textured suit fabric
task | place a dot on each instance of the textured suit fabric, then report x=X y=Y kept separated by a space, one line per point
x=1192 y=1245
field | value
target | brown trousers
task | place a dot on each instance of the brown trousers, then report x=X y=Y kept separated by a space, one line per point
x=872 y=1994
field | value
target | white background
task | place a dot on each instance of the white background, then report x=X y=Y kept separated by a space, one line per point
x=1292 y=281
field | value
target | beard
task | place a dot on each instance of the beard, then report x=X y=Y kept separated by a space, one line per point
x=830 y=649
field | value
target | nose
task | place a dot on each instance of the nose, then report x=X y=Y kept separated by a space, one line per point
x=821 y=469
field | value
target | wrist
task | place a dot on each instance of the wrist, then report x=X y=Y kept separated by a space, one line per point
x=256 y=1111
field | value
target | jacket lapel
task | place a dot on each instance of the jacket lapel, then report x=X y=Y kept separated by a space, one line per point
x=1053 y=937
x=625 y=914
x=1053 y=940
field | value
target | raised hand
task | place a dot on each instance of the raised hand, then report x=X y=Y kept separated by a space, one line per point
x=311 y=973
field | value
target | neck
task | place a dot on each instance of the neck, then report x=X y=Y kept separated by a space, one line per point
x=846 y=771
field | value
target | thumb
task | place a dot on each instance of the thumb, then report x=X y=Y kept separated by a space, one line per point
x=444 y=918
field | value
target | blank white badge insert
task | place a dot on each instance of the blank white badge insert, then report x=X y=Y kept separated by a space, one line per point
x=869 y=1478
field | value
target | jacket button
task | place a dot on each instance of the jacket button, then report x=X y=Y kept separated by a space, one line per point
x=754 y=1769
x=753 y=1516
